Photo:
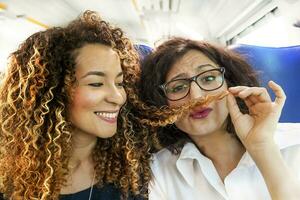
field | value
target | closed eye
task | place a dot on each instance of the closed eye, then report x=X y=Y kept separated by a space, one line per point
x=95 y=84
x=179 y=88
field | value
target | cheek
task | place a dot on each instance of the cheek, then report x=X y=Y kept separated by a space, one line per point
x=177 y=103
x=84 y=99
x=221 y=108
x=221 y=105
x=182 y=123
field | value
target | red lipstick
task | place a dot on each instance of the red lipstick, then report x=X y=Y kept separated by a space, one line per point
x=200 y=113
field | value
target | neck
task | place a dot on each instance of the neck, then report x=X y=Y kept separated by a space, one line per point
x=222 y=148
x=81 y=165
x=83 y=145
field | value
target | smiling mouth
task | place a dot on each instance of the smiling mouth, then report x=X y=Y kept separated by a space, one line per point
x=110 y=117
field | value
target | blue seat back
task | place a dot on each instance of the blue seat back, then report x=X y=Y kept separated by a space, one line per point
x=281 y=65
x=143 y=50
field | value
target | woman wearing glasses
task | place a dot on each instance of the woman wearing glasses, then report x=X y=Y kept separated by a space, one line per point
x=227 y=149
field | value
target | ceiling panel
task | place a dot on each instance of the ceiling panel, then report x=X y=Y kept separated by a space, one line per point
x=208 y=17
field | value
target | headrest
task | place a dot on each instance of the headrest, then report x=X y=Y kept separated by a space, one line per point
x=143 y=50
x=281 y=65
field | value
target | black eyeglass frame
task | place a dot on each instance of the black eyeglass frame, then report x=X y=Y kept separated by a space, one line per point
x=193 y=79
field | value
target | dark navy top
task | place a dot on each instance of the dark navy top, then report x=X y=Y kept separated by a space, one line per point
x=107 y=192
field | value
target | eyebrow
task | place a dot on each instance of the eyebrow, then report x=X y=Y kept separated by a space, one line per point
x=198 y=68
x=178 y=76
x=98 y=73
x=206 y=65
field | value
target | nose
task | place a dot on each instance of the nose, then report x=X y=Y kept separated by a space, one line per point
x=195 y=91
x=116 y=96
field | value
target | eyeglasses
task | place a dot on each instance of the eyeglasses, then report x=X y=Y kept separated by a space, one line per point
x=208 y=80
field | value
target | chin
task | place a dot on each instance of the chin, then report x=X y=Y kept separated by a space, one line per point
x=199 y=130
x=107 y=134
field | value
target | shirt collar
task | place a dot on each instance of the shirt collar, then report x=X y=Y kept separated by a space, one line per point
x=286 y=135
x=185 y=163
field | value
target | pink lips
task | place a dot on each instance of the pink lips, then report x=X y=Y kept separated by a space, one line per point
x=112 y=120
x=200 y=113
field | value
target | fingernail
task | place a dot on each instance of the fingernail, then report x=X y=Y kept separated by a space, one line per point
x=272 y=82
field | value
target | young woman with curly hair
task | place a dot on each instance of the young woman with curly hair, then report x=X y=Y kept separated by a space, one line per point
x=218 y=148
x=66 y=128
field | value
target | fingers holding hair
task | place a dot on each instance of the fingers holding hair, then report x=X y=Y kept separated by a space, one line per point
x=254 y=94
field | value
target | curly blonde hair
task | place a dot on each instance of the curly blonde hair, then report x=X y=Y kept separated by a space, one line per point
x=35 y=132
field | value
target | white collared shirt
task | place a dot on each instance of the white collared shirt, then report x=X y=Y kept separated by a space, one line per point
x=192 y=176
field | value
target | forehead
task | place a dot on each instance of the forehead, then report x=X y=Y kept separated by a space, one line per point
x=189 y=63
x=96 y=57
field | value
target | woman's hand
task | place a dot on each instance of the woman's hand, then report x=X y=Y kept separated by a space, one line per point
x=257 y=128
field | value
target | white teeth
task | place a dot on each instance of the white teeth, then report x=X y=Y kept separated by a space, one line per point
x=107 y=115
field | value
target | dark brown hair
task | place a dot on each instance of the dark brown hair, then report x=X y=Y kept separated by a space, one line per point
x=156 y=66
